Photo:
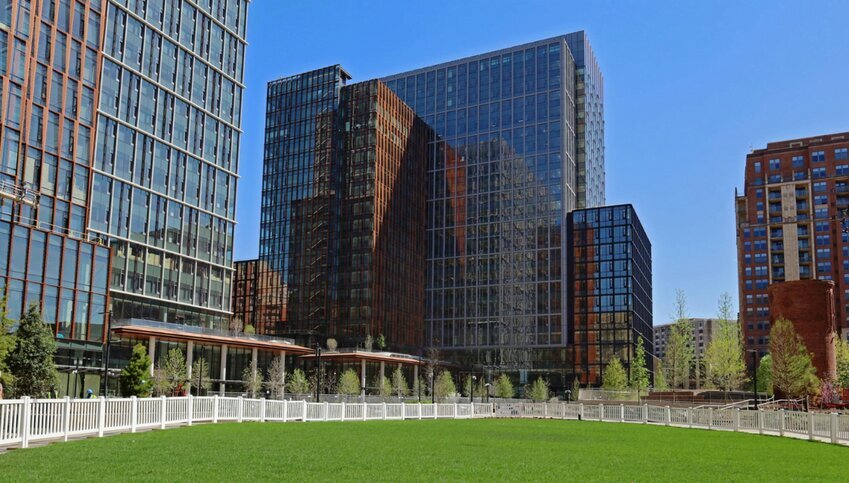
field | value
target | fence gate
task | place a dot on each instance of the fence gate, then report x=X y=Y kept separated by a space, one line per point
x=508 y=410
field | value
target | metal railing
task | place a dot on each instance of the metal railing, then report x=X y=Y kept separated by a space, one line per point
x=26 y=421
x=21 y=194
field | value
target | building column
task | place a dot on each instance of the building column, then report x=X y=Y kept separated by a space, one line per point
x=222 y=385
x=415 y=376
x=363 y=378
x=382 y=371
x=151 y=352
x=190 y=349
x=253 y=366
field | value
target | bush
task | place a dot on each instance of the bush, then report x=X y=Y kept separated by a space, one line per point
x=31 y=361
x=135 y=378
x=538 y=391
x=504 y=387
x=444 y=386
x=298 y=383
x=349 y=384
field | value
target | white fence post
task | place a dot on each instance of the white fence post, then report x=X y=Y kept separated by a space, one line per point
x=285 y=410
x=101 y=416
x=241 y=408
x=67 y=427
x=710 y=418
x=810 y=426
x=601 y=412
x=621 y=413
x=668 y=416
x=645 y=414
x=781 y=426
x=833 y=421
x=215 y=409
x=455 y=411
x=189 y=409
x=545 y=410
x=404 y=410
x=420 y=410
x=736 y=419
x=25 y=417
x=690 y=417
x=384 y=411
x=365 y=409
x=134 y=414
x=162 y=411
x=760 y=421
x=343 y=410
x=581 y=411
x=326 y=409
x=262 y=413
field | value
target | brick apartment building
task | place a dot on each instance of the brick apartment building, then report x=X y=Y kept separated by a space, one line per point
x=791 y=225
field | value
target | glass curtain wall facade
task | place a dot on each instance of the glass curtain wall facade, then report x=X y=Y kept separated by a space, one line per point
x=502 y=175
x=166 y=156
x=343 y=202
x=610 y=289
x=49 y=81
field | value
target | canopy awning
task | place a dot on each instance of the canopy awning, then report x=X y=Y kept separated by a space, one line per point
x=357 y=356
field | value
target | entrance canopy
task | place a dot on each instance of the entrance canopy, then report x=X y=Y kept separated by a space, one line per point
x=356 y=355
x=200 y=335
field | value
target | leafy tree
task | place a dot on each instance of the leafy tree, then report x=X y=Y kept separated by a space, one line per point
x=639 y=371
x=418 y=389
x=538 y=391
x=576 y=388
x=504 y=387
x=724 y=357
x=660 y=380
x=236 y=325
x=7 y=344
x=399 y=383
x=298 y=383
x=200 y=376
x=251 y=380
x=444 y=386
x=614 y=378
x=369 y=342
x=480 y=386
x=249 y=329
x=381 y=342
x=765 y=375
x=349 y=383
x=793 y=373
x=382 y=386
x=842 y=363
x=31 y=360
x=276 y=376
x=135 y=378
x=679 y=349
x=171 y=374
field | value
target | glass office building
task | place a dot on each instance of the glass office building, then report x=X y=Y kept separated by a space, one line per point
x=343 y=204
x=610 y=287
x=120 y=131
x=519 y=144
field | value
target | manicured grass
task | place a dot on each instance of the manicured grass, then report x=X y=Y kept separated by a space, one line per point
x=482 y=450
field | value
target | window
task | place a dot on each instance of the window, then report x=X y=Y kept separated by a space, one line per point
x=818 y=173
x=818 y=156
x=841 y=153
x=819 y=187
x=757 y=167
x=798 y=161
x=774 y=164
x=841 y=169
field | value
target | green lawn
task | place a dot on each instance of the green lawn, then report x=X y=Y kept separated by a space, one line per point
x=443 y=450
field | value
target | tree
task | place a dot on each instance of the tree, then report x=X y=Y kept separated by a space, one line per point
x=660 y=380
x=679 y=349
x=793 y=373
x=639 y=371
x=31 y=361
x=418 y=389
x=171 y=374
x=431 y=368
x=444 y=385
x=349 y=383
x=399 y=383
x=842 y=363
x=236 y=325
x=251 y=380
x=249 y=329
x=298 y=383
x=135 y=378
x=200 y=376
x=614 y=378
x=538 y=391
x=765 y=375
x=504 y=387
x=7 y=344
x=276 y=377
x=381 y=342
x=382 y=386
x=724 y=357
x=576 y=389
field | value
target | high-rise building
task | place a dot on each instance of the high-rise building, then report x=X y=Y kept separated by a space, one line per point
x=343 y=205
x=704 y=331
x=792 y=224
x=120 y=133
x=519 y=144
x=610 y=289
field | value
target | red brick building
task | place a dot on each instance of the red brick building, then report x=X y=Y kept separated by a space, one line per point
x=809 y=305
x=790 y=226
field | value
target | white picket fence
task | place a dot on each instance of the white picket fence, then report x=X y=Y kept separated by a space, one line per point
x=24 y=421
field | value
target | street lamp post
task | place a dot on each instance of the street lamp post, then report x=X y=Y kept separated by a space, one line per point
x=318 y=372
x=108 y=349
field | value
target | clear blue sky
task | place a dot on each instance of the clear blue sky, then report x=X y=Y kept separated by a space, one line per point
x=689 y=88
